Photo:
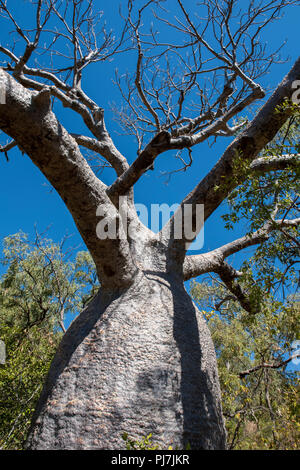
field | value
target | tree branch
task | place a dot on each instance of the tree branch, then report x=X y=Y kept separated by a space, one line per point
x=195 y=265
x=83 y=38
x=143 y=162
x=274 y=365
x=5 y=148
x=27 y=118
x=221 y=180
x=229 y=276
x=106 y=149
x=274 y=163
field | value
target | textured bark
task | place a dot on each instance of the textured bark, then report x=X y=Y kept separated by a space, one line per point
x=139 y=361
x=27 y=117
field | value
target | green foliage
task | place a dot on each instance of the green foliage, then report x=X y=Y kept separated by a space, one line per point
x=262 y=407
x=264 y=198
x=144 y=444
x=39 y=287
x=40 y=283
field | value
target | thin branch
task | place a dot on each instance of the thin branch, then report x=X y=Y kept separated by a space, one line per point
x=275 y=365
x=105 y=148
x=5 y=148
x=220 y=181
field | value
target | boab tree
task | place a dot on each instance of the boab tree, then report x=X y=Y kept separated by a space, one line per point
x=140 y=358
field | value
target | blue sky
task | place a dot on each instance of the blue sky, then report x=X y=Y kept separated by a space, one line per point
x=27 y=198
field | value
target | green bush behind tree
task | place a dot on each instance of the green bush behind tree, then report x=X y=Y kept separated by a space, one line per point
x=39 y=287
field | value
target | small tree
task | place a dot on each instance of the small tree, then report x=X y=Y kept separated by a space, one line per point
x=140 y=357
x=39 y=288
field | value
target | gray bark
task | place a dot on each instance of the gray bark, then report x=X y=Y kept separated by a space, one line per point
x=139 y=360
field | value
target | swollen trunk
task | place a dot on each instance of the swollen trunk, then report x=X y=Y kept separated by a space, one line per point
x=138 y=361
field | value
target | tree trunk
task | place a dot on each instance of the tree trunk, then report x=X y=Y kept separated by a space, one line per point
x=139 y=360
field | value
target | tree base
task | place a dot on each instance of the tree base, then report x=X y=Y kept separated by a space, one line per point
x=140 y=361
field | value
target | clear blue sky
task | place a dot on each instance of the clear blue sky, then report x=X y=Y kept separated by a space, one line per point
x=27 y=198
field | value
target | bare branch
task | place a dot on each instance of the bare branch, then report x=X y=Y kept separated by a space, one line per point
x=278 y=162
x=5 y=148
x=105 y=148
x=219 y=182
x=195 y=265
x=138 y=77
x=274 y=365
x=79 y=28
x=143 y=162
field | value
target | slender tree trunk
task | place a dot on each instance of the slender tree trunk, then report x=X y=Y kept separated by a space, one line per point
x=139 y=360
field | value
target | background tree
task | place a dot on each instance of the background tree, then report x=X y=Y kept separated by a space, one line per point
x=260 y=392
x=38 y=289
x=140 y=357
